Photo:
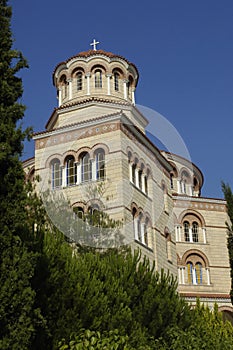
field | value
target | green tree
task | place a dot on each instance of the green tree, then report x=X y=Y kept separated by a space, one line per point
x=229 y=198
x=207 y=331
x=104 y=291
x=18 y=316
x=88 y=340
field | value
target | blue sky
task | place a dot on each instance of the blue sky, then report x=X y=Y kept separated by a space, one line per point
x=183 y=50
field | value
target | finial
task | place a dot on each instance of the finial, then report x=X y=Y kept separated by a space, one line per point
x=94 y=44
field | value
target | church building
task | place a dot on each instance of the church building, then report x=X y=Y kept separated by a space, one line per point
x=95 y=141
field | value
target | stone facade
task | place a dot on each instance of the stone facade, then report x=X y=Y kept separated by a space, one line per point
x=96 y=139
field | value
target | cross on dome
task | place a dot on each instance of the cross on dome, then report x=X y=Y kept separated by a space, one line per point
x=94 y=44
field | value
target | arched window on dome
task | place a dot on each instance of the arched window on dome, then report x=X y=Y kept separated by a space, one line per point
x=129 y=86
x=171 y=181
x=71 y=173
x=100 y=165
x=56 y=173
x=116 y=81
x=98 y=78
x=64 y=86
x=79 y=77
x=86 y=168
x=185 y=183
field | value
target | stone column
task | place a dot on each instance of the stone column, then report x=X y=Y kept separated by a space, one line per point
x=135 y=226
x=70 y=88
x=208 y=275
x=93 y=169
x=204 y=234
x=59 y=97
x=178 y=186
x=88 y=83
x=125 y=89
x=130 y=172
x=182 y=275
x=109 y=83
x=143 y=183
x=78 y=167
x=137 y=177
x=143 y=232
x=64 y=182
x=190 y=235
x=133 y=96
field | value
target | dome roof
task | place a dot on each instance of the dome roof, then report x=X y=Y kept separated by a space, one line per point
x=89 y=53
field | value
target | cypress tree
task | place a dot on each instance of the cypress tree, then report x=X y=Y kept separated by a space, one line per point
x=229 y=198
x=17 y=263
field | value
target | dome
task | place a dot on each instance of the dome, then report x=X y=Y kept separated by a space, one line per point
x=95 y=73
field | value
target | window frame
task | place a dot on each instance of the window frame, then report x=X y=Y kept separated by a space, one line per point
x=58 y=171
x=98 y=79
x=79 y=77
x=86 y=168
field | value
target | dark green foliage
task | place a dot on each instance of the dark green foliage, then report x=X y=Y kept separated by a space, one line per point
x=229 y=198
x=103 y=291
x=18 y=314
x=95 y=340
x=207 y=332
x=11 y=135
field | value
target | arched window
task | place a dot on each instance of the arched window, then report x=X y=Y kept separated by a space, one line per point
x=190 y=272
x=79 y=81
x=79 y=212
x=140 y=227
x=135 y=224
x=146 y=231
x=194 y=273
x=100 y=165
x=98 y=78
x=186 y=231
x=56 y=174
x=64 y=86
x=168 y=245
x=195 y=231
x=140 y=179
x=171 y=181
x=183 y=186
x=95 y=217
x=184 y=182
x=116 y=81
x=86 y=168
x=71 y=174
x=129 y=85
x=198 y=269
x=134 y=173
x=146 y=185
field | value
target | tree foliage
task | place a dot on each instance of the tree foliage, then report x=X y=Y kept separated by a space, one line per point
x=18 y=314
x=104 y=291
x=229 y=198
